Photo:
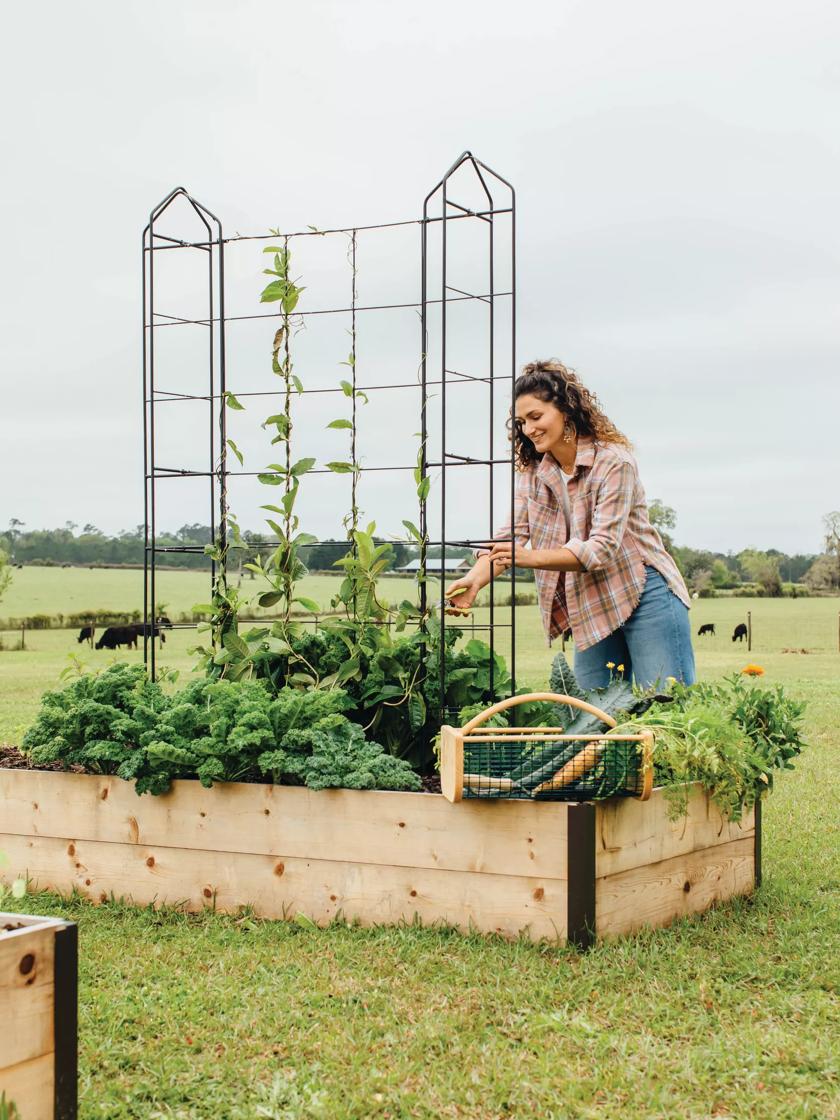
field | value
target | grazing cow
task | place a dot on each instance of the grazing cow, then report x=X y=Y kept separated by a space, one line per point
x=706 y=628
x=740 y=632
x=162 y=620
x=116 y=636
x=148 y=630
x=86 y=634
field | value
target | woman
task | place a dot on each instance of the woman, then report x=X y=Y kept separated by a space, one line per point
x=600 y=566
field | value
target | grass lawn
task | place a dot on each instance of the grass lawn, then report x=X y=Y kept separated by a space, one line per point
x=736 y=1013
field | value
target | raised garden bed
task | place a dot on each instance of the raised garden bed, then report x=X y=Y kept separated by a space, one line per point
x=556 y=870
x=38 y=1016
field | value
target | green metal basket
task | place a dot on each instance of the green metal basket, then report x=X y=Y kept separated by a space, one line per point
x=543 y=763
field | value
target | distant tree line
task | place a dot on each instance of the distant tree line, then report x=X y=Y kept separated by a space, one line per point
x=705 y=571
x=766 y=571
x=90 y=546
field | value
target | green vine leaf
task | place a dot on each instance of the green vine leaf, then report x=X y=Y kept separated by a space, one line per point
x=232 y=402
x=270 y=479
x=270 y=598
x=340 y=424
x=307 y=604
x=282 y=422
x=236 y=451
x=302 y=466
x=341 y=468
x=416 y=711
x=348 y=669
x=273 y=292
x=290 y=299
x=235 y=645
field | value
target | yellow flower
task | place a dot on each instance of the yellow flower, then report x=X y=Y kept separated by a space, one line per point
x=752 y=671
x=610 y=664
x=620 y=668
x=670 y=680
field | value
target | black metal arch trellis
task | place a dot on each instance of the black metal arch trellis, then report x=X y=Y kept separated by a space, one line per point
x=440 y=296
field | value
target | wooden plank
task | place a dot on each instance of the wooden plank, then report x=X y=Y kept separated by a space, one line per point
x=26 y=992
x=280 y=886
x=451 y=763
x=31 y=1086
x=31 y=1011
x=362 y=826
x=658 y=893
x=631 y=833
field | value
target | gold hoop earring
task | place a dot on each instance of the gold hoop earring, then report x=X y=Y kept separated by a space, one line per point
x=568 y=433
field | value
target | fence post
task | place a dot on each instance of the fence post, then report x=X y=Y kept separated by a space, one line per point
x=749 y=631
x=23 y=635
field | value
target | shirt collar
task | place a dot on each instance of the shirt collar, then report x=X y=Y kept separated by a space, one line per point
x=549 y=468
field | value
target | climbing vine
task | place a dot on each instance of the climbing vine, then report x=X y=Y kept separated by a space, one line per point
x=283 y=566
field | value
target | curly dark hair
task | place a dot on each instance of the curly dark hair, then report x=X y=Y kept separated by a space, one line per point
x=553 y=383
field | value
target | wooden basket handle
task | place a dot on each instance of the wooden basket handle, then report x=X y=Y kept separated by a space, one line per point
x=512 y=701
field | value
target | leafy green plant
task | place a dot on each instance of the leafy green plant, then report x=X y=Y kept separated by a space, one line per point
x=728 y=735
x=121 y=723
x=8 y=1109
x=16 y=890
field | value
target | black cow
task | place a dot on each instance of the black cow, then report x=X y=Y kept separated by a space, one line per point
x=740 y=632
x=706 y=628
x=116 y=636
x=149 y=630
x=162 y=620
x=86 y=634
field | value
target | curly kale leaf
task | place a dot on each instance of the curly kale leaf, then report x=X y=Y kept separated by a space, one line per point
x=342 y=757
x=116 y=708
x=292 y=708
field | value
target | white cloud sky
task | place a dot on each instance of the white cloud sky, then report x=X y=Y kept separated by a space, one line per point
x=677 y=180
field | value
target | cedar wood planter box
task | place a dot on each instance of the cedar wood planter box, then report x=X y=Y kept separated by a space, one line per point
x=38 y=1016
x=554 y=870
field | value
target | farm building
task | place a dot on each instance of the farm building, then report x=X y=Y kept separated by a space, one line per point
x=450 y=564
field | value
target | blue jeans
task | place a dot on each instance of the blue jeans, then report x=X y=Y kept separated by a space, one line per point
x=654 y=642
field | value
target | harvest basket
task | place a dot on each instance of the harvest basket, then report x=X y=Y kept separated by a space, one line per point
x=543 y=763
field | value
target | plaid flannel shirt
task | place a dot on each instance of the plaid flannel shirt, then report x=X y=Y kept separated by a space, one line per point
x=610 y=534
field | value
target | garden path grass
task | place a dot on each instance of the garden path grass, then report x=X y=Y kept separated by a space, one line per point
x=735 y=1013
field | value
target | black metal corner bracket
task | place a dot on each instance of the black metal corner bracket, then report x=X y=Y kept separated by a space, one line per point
x=580 y=845
x=66 y=1021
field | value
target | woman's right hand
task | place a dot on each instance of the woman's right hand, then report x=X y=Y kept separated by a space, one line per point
x=460 y=601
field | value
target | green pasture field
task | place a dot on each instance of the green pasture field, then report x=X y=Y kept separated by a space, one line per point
x=732 y=1014
x=74 y=590
x=809 y=627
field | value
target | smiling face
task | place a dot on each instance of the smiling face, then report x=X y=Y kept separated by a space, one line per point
x=540 y=421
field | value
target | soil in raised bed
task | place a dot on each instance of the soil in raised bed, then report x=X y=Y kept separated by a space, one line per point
x=12 y=759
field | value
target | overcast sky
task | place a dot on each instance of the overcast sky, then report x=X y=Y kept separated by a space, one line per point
x=677 y=182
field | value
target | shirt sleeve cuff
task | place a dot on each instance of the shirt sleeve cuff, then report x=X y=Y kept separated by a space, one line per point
x=584 y=551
